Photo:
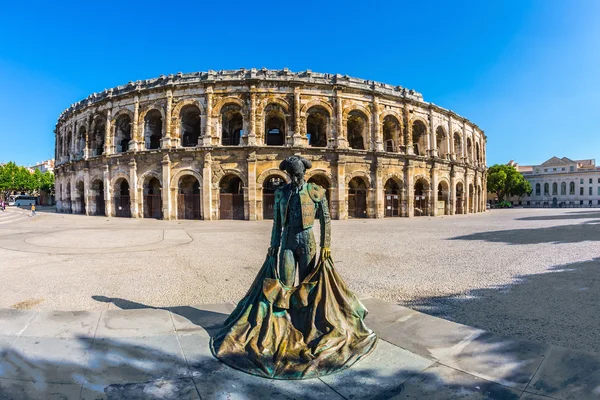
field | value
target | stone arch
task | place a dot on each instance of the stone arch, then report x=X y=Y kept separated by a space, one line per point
x=457 y=138
x=441 y=137
x=361 y=174
x=121 y=111
x=423 y=178
x=216 y=110
x=180 y=174
x=149 y=175
x=387 y=112
x=356 y=107
x=186 y=102
x=319 y=171
x=221 y=173
x=272 y=100
x=117 y=177
x=270 y=172
x=396 y=177
x=420 y=143
x=315 y=103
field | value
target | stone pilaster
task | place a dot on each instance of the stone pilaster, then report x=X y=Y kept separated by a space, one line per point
x=208 y=135
x=376 y=140
x=137 y=143
x=434 y=191
x=207 y=212
x=166 y=193
x=453 y=155
x=108 y=204
x=340 y=194
x=166 y=141
x=252 y=112
x=86 y=190
x=252 y=212
x=133 y=189
x=379 y=192
x=452 y=192
x=340 y=135
x=408 y=133
x=432 y=138
x=298 y=139
x=109 y=147
x=410 y=188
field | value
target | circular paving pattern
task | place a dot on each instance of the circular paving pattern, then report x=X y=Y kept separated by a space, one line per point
x=97 y=238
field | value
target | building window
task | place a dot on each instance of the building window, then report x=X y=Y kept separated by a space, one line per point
x=580 y=202
x=562 y=169
x=545 y=169
x=590 y=202
x=581 y=181
x=581 y=191
x=546 y=189
x=537 y=189
x=553 y=169
x=571 y=168
x=590 y=191
x=572 y=188
x=555 y=188
x=598 y=191
x=563 y=189
x=590 y=181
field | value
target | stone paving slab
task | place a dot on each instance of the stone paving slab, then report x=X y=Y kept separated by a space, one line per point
x=152 y=353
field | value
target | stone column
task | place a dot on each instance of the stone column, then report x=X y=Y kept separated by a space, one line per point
x=166 y=141
x=452 y=192
x=86 y=189
x=252 y=112
x=434 y=190
x=109 y=147
x=467 y=195
x=376 y=140
x=410 y=188
x=133 y=191
x=340 y=139
x=108 y=204
x=208 y=135
x=464 y=143
x=165 y=190
x=408 y=134
x=207 y=212
x=432 y=138
x=137 y=143
x=298 y=139
x=453 y=155
x=252 y=186
x=379 y=192
x=340 y=196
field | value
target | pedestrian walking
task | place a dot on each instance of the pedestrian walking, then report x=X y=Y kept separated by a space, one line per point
x=33 y=210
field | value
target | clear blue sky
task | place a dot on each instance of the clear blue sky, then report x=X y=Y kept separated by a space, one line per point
x=527 y=72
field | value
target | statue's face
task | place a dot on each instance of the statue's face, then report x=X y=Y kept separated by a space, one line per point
x=296 y=173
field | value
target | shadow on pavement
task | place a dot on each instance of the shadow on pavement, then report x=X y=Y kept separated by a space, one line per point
x=559 y=307
x=588 y=231
x=571 y=215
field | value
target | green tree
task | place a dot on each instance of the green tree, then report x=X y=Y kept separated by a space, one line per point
x=14 y=178
x=506 y=181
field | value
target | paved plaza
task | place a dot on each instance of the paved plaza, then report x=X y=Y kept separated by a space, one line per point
x=97 y=307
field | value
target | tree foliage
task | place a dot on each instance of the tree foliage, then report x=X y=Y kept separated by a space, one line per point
x=506 y=181
x=14 y=178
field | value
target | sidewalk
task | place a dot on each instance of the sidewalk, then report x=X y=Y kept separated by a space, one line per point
x=140 y=352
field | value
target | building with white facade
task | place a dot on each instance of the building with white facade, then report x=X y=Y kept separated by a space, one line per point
x=562 y=182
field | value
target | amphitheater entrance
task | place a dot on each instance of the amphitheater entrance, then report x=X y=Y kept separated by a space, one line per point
x=316 y=126
x=459 y=198
x=357 y=198
x=322 y=181
x=231 y=198
x=153 y=199
x=188 y=199
x=393 y=202
x=442 y=198
x=272 y=183
x=122 y=200
x=421 y=198
x=80 y=199
x=98 y=207
x=67 y=200
x=190 y=126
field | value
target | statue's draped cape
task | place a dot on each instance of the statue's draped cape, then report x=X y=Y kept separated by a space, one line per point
x=313 y=329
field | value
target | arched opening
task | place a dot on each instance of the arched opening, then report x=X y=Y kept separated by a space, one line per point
x=471 y=198
x=469 y=151
x=231 y=198
x=68 y=143
x=546 y=189
x=122 y=200
x=477 y=153
x=419 y=137
x=554 y=188
x=391 y=134
x=459 y=198
x=274 y=125
x=232 y=125
x=322 y=181
x=189 y=199
x=357 y=198
x=270 y=185
x=538 y=189
x=572 y=188
x=563 y=189
x=153 y=199
x=98 y=206
x=98 y=134
x=122 y=133
x=190 y=126
x=393 y=198
x=457 y=146
x=153 y=129
x=421 y=198
x=80 y=145
x=66 y=204
x=356 y=130
x=442 y=198
x=80 y=199
x=316 y=126
x=440 y=142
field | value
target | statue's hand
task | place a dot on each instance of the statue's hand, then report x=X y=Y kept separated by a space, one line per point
x=273 y=251
x=325 y=253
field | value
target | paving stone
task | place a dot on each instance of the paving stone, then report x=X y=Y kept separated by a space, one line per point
x=14 y=322
x=63 y=324
x=48 y=360
x=442 y=383
x=183 y=389
x=22 y=390
x=568 y=374
x=216 y=380
x=135 y=323
x=386 y=368
x=509 y=362
x=209 y=317
x=135 y=359
x=382 y=314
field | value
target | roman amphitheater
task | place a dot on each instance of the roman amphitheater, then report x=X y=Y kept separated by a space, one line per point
x=207 y=145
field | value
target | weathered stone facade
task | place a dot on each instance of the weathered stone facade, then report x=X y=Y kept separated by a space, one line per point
x=208 y=145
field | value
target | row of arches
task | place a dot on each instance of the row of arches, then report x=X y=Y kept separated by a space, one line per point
x=276 y=122
x=231 y=205
x=563 y=189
